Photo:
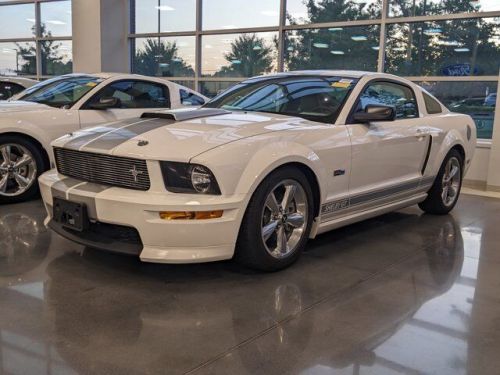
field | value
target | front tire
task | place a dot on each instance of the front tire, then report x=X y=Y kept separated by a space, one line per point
x=444 y=193
x=277 y=221
x=21 y=163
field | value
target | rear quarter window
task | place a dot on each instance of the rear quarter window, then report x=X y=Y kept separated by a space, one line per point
x=431 y=105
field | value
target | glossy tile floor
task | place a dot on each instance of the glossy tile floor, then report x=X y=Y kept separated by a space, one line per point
x=404 y=293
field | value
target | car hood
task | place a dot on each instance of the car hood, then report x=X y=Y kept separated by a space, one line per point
x=21 y=106
x=170 y=139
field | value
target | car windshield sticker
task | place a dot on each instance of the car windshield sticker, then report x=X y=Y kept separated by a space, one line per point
x=342 y=83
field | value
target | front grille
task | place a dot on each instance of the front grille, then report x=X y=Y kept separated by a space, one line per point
x=103 y=169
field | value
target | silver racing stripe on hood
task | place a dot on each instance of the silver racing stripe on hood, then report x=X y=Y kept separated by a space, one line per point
x=82 y=137
x=110 y=140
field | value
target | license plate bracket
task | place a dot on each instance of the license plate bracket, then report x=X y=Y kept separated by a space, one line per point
x=71 y=215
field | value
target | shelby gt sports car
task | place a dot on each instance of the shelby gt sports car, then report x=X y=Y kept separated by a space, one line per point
x=259 y=169
x=33 y=118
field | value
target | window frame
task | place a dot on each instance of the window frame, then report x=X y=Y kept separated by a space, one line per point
x=166 y=90
x=350 y=120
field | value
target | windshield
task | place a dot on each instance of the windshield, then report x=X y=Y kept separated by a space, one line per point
x=60 y=92
x=314 y=98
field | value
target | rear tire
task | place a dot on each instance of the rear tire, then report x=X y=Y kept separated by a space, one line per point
x=444 y=193
x=21 y=163
x=274 y=231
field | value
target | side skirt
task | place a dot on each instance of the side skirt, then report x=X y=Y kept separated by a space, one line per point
x=334 y=223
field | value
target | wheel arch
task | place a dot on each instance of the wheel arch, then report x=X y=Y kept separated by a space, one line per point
x=33 y=140
x=311 y=177
x=461 y=151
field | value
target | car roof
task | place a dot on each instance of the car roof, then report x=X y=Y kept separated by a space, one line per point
x=346 y=73
x=17 y=79
x=325 y=73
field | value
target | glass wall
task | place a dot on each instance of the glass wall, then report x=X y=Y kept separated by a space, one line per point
x=440 y=44
x=35 y=38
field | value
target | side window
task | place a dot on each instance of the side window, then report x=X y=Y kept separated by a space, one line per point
x=135 y=94
x=391 y=94
x=8 y=89
x=431 y=105
x=189 y=98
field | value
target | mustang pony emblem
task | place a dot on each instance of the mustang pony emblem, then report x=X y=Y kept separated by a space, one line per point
x=135 y=173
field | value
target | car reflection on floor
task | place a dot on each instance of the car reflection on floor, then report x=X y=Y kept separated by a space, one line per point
x=352 y=304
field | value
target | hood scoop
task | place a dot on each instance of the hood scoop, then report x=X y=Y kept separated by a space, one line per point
x=185 y=114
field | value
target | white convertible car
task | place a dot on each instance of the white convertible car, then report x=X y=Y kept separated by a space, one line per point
x=33 y=118
x=258 y=170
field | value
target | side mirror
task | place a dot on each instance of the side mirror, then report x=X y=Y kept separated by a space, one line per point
x=106 y=103
x=374 y=112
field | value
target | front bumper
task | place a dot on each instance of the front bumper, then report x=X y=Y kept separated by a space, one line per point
x=162 y=241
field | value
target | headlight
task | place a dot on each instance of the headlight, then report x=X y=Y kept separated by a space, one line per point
x=189 y=178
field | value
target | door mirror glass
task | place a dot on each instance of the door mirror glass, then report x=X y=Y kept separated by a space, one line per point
x=375 y=112
x=106 y=103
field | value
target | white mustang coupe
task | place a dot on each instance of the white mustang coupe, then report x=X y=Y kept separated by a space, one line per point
x=258 y=170
x=33 y=118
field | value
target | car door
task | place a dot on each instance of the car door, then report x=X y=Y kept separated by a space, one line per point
x=134 y=98
x=387 y=156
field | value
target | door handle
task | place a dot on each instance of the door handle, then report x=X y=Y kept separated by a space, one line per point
x=422 y=133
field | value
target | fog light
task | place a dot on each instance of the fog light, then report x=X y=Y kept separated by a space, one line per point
x=190 y=215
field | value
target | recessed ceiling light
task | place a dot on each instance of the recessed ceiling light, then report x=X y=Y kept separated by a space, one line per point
x=433 y=31
x=359 y=38
x=320 y=45
x=164 y=8
x=451 y=43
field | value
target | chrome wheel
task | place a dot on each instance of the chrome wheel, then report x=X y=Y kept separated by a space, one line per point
x=452 y=179
x=17 y=170
x=284 y=218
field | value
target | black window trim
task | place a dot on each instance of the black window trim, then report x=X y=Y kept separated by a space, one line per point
x=350 y=121
x=85 y=106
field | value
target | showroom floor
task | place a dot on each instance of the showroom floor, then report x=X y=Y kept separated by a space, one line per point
x=403 y=293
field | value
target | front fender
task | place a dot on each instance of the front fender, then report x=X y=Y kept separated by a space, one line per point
x=30 y=131
x=239 y=169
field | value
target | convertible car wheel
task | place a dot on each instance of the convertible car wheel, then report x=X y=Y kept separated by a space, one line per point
x=446 y=189
x=20 y=165
x=277 y=221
